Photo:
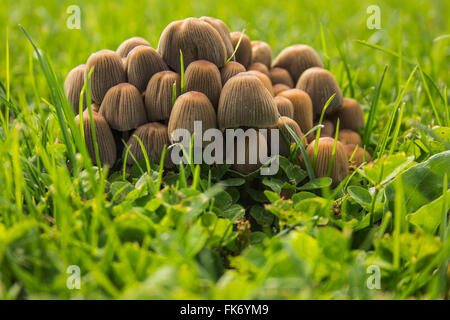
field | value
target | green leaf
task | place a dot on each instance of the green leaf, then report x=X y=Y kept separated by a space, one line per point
x=429 y=215
x=360 y=195
x=386 y=168
x=274 y=184
x=272 y=196
x=261 y=215
x=318 y=183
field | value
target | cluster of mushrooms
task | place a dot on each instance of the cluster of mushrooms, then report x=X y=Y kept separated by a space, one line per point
x=136 y=90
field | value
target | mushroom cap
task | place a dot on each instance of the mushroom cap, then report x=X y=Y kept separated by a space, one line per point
x=258 y=66
x=158 y=95
x=264 y=79
x=105 y=139
x=196 y=38
x=73 y=85
x=261 y=52
x=326 y=131
x=224 y=32
x=320 y=86
x=324 y=154
x=278 y=88
x=246 y=102
x=350 y=115
x=284 y=106
x=108 y=72
x=284 y=147
x=244 y=52
x=229 y=70
x=359 y=156
x=349 y=137
x=203 y=76
x=128 y=45
x=123 y=107
x=251 y=151
x=303 y=109
x=189 y=107
x=142 y=63
x=280 y=75
x=154 y=137
x=296 y=59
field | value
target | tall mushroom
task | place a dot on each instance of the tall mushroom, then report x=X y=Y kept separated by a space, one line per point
x=284 y=106
x=73 y=85
x=284 y=134
x=128 y=45
x=224 y=32
x=261 y=52
x=280 y=75
x=244 y=51
x=203 y=76
x=350 y=114
x=303 y=109
x=229 y=70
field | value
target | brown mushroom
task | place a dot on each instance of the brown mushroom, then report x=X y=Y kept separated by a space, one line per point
x=128 y=45
x=229 y=70
x=303 y=110
x=350 y=114
x=264 y=79
x=73 y=85
x=224 y=32
x=280 y=75
x=247 y=148
x=244 y=52
x=203 y=76
x=258 y=66
x=349 y=137
x=326 y=131
x=285 y=146
x=279 y=88
x=284 y=106
x=261 y=52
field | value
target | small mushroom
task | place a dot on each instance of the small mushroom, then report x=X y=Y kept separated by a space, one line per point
x=261 y=52
x=246 y=102
x=108 y=72
x=284 y=134
x=349 y=137
x=244 y=52
x=350 y=114
x=303 y=110
x=123 y=107
x=158 y=95
x=249 y=153
x=258 y=66
x=73 y=85
x=264 y=79
x=279 y=88
x=280 y=75
x=142 y=63
x=128 y=45
x=326 y=131
x=320 y=86
x=197 y=40
x=224 y=32
x=324 y=155
x=360 y=156
x=105 y=138
x=284 y=106
x=296 y=59
x=229 y=70
x=203 y=76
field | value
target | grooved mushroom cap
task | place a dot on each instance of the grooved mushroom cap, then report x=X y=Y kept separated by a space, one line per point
x=258 y=66
x=264 y=79
x=246 y=102
x=324 y=154
x=303 y=109
x=123 y=107
x=224 y=32
x=280 y=75
x=189 y=107
x=261 y=52
x=244 y=52
x=320 y=86
x=73 y=85
x=359 y=156
x=128 y=45
x=349 y=137
x=142 y=63
x=105 y=139
x=203 y=76
x=196 y=38
x=249 y=152
x=284 y=147
x=231 y=69
x=154 y=137
x=350 y=114
x=284 y=106
x=158 y=95
x=278 y=88
x=108 y=72
x=296 y=59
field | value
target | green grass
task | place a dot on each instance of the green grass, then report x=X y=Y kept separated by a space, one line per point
x=206 y=232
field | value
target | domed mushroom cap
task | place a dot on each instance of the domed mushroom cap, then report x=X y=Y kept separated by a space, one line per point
x=189 y=107
x=349 y=137
x=158 y=95
x=360 y=156
x=280 y=75
x=350 y=114
x=296 y=59
x=224 y=32
x=154 y=137
x=284 y=146
x=73 y=85
x=231 y=69
x=320 y=86
x=105 y=139
x=246 y=102
x=303 y=109
x=203 y=76
x=108 y=72
x=324 y=155
x=128 y=45
x=278 y=88
x=244 y=52
x=258 y=66
x=142 y=63
x=264 y=79
x=261 y=52
x=246 y=154
x=123 y=107
x=284 y=106
x=196 y=38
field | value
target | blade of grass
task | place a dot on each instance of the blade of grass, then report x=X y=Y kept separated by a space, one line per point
x=182 y=89
x=333 y=152
x=316 y=142
x=397 y=129
x=430 y=99
x=237 y=45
